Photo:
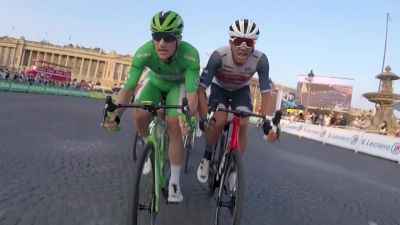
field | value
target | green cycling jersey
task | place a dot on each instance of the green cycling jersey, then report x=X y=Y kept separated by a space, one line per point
x=184 y=67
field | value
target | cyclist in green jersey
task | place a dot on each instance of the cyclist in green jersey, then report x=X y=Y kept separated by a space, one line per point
x=173 y=72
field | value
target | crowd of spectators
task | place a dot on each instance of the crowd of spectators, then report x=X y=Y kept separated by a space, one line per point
x=360 y=122
x=331 y=119
x=43 y=80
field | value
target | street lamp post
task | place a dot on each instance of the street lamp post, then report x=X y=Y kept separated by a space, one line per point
x=310 y=80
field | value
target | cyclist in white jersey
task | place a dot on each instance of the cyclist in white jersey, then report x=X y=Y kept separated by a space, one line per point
x=229 y=71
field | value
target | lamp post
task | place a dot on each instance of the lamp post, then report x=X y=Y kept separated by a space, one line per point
x=309 y=78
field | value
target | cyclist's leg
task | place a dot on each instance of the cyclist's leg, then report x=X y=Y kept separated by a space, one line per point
x=138 y=89
x=241 y=100
x=174 y=97
x=148 y=92
x=213 y=132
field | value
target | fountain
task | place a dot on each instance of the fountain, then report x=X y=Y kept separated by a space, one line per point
x=384 y=99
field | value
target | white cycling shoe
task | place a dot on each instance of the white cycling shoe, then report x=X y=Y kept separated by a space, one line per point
x=203 y=171
x=232 y=181
x=174 y=193
x=147 y=167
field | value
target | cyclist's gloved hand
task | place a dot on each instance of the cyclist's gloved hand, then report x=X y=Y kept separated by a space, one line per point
x=271 y=131
x=111 y=122
x=202 y=121
x=193 y=122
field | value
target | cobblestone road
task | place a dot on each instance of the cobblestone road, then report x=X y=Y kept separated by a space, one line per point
x=58 y=167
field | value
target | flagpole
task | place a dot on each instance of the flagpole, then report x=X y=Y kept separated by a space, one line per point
x=384 y=50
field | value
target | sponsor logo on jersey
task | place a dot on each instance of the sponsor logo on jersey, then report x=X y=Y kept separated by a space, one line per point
x=142 y=55
x=189 y=57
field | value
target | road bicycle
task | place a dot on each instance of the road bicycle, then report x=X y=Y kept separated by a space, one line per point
x=148 y=189
x=226 y=167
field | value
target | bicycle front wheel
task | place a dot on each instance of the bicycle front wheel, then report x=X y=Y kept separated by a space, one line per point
x=188 y=147
x=137 y=142
x=143 y=210
x=230 y=194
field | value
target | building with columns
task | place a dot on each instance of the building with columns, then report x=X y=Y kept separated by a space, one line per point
x=110 y=69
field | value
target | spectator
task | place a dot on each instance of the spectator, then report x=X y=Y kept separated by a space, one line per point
x=366 y=122
x=321 y=120
x=327 y=120
x=397 y=134
x=383 y=129
x=308 y=117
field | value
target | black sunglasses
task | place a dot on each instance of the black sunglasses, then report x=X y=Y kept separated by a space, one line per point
x=166 y=36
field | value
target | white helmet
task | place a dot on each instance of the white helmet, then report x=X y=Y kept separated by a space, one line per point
x=244 y=28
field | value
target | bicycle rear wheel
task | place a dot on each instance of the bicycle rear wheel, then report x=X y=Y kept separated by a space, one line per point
x=143 y=212
x=230 y=193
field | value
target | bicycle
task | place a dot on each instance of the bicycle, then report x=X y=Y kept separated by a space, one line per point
x=147 y=198
x=226 y=168
x=188 y=141
x=137 y=141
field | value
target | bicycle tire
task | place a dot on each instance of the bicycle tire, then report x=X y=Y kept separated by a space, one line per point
x=215 y=161
x=137 y=140
x=188 y=146
x=234 y=204
x=148 y=191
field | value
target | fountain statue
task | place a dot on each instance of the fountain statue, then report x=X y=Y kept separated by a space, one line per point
x=384 y=99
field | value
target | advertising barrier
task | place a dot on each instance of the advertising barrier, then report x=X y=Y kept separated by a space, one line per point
x=383 y=146
x=387 y=147
x=11 y=86
x=349 y=139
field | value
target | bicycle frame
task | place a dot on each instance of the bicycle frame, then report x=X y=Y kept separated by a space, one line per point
x=234 y=141
x=157 y=126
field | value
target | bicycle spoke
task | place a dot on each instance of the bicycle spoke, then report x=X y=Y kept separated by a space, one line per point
x=143 y=209
x=230 y=195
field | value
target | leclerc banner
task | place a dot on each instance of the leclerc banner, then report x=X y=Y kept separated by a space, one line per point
x=314 y=132
x=294 y=128
x=387 y=147
x=343 y=138
x=382 y=146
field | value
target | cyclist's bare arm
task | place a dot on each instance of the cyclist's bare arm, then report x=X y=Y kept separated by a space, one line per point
x=206 y=78
x=192 y=101
x=267 y=107
x=203 y=106
x=124 y=96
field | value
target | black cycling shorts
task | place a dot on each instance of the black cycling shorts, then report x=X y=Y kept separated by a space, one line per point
x=239 y=98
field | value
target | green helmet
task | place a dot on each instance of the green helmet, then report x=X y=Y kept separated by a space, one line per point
x=168 y=22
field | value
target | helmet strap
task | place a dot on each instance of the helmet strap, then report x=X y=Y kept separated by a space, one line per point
x=178 y=42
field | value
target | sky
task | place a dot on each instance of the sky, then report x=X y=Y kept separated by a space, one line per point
x=341 y=38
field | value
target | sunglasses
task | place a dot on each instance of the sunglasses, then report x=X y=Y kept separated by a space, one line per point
x=165 y=36
x=239 y=42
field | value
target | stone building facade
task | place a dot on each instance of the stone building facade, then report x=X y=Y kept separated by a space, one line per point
x=110 y=69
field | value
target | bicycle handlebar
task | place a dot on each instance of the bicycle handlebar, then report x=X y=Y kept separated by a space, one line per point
x=111 y=107
x=267 y=124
